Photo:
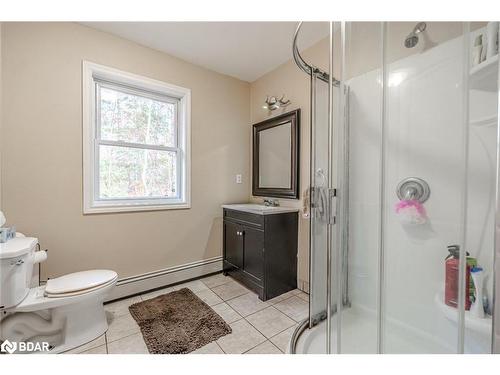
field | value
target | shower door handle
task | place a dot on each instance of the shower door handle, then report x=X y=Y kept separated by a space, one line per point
x=332 y=206
x=323 y=204
x=319 y=203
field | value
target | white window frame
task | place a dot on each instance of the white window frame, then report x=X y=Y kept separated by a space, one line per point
x=94 y=75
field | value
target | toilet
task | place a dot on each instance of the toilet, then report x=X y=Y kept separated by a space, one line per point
x=65 y=313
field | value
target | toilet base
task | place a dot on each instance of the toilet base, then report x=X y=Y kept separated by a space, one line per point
x=64 y=327
x=85 y=322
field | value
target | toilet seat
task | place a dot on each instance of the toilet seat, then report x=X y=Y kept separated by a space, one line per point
x=78 y=283
x=80 y=292
x=37 y=299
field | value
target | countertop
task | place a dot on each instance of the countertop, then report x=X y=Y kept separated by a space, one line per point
x=259 y=209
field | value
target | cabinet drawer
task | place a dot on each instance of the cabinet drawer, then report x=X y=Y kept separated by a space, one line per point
x=244 y=217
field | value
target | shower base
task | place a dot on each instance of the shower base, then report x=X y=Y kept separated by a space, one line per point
x=359 y=336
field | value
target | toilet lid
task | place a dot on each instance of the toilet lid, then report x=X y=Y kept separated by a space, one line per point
x=79 y=281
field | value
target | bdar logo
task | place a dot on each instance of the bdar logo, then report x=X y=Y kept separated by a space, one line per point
x=8 y=347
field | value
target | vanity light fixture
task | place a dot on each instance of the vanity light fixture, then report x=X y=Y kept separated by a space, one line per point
x=272 y=102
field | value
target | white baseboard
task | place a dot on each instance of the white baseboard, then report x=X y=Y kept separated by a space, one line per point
x=140 y=283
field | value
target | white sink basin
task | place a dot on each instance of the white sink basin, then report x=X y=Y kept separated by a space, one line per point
x=259 y=209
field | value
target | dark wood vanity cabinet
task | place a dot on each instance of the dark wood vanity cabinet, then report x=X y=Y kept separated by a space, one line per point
x=260 y=251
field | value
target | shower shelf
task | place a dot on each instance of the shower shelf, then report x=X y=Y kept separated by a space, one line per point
x=484 y=76
x=473 y=323
x=485 y=121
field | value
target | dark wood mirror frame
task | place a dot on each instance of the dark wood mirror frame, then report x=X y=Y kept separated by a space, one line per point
x=293 y=118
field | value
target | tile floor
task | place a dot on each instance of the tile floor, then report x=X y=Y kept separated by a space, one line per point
x=258 y=327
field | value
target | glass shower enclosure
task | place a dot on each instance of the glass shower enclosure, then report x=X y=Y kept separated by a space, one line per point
x=403 y=177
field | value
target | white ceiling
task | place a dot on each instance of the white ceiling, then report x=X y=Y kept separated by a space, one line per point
x=245 y=50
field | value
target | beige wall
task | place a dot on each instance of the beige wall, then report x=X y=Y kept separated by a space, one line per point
x=42 y=152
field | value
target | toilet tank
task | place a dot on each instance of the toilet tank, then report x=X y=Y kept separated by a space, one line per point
x=16 y=268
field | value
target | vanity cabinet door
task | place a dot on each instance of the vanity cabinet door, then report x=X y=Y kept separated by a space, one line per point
x=233 y=245
x=253 y=252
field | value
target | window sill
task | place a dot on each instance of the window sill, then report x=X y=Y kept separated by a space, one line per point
x=135 y=208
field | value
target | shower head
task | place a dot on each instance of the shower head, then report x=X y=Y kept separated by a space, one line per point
x=412 y=38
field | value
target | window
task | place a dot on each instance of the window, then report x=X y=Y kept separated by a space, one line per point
x=136 y=142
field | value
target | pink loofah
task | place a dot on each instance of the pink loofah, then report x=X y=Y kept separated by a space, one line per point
x=412 y=211
x=410 y=203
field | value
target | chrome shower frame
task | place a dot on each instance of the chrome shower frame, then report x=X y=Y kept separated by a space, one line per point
x=331 y=192
x=310 y=70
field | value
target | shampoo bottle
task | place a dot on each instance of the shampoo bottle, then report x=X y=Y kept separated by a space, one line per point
x=452 y=264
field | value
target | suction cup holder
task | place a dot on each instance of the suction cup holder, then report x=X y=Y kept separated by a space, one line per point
x=413 y=188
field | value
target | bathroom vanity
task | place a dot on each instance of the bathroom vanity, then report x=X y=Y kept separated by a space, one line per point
x=260 y=247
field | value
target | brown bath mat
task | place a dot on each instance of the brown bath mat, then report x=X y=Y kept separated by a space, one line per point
x=177 y=322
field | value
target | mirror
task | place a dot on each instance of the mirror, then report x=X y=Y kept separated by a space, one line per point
x=275 y=156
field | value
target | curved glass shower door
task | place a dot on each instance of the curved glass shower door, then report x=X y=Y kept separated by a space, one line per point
x=359 y=133
x=414 y=167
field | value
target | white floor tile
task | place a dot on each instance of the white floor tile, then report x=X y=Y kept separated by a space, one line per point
x=133 y=344
x=209 y=297
x=120 y=327
x=99 y=350
x=283 y=296
x=156 y=293
x=265 y=329
x=265 y=348
x=216 y=280
x=243 y=338
x=211 y=348
x=120 y=307
x=226 y=312
x=303 y=296
x=90 y=345
x=230 y=290
x=195 y=286
x=247 y=304
x=282 y=340
x=295 y=307
x=270 y=321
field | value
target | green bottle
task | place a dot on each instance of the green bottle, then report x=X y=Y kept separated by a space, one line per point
x=471 y=263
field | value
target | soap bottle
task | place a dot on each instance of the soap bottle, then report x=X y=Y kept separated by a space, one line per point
x=471 y=263
x=477 y=50
x=477 y=308
x=452 y=264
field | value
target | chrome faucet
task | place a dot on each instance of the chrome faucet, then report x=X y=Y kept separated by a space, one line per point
x=271 y=202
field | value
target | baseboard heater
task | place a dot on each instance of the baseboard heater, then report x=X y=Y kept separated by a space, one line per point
x=132 y=285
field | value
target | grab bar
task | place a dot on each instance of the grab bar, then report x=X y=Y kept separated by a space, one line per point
x=304 y=66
